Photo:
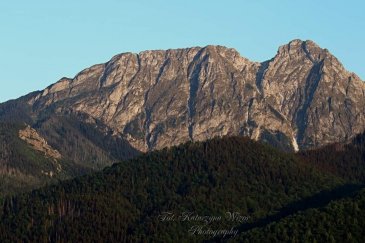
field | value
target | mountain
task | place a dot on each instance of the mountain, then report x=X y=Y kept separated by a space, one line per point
x=303 y=98
x=127 y=202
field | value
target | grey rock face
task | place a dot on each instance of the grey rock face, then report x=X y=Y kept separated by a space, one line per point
x=156 y=99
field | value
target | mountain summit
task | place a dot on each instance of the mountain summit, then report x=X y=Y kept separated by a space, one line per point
x=302 y=98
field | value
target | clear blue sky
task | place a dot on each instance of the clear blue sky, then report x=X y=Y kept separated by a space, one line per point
x=42 y=41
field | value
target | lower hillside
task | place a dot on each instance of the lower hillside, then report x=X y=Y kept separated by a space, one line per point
x=193 y=192
x=55 y=148
x=90 y=145
x=23 y=168
x=340 y=221
x=343 y=160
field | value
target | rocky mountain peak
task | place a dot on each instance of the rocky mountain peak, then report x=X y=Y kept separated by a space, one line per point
x=298 y=49
x=302 y=98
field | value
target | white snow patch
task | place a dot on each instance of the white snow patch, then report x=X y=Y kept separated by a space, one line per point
x=257 y=134
x=295 y=144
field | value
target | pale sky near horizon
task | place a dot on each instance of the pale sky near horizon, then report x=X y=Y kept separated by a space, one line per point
x=42 y=41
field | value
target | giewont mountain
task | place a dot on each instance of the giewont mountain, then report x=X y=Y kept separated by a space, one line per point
x=302 y=98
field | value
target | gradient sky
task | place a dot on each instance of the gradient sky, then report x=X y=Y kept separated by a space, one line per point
x=42 y=40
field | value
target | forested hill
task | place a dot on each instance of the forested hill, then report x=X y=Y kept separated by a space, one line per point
x=126 y=202
x=30 y=158
x=343 y=160
x=23 y=168
x=340 y=221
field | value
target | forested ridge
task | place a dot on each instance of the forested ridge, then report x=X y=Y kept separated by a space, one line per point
x=341 y=218
x=343 y=160
x=124 y=202
x=22 y=168
x=339 y=221
x=86 y=149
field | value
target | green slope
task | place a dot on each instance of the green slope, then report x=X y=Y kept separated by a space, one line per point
x=85 y=147
x=125 y=202
x=88 y=145
x=22 y=168
x=343 y=160
x=340 y=221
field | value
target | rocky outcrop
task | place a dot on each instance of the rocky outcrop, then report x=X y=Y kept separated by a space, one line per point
x=38 y=143
x=302 y=98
